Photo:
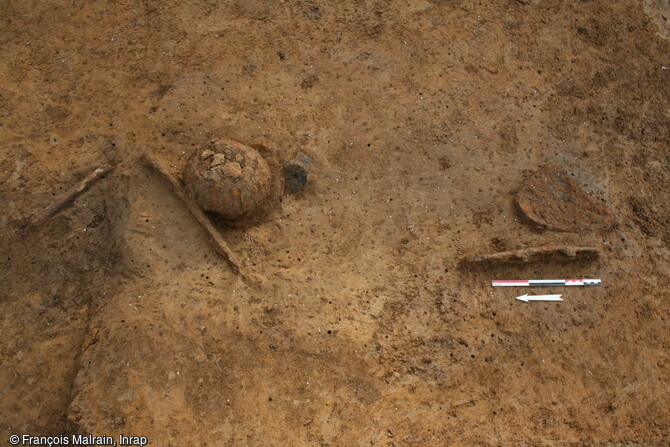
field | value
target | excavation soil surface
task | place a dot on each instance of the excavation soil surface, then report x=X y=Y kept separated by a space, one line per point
x=360 y=327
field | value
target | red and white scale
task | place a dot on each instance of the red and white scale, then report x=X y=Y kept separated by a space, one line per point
x=544 y=283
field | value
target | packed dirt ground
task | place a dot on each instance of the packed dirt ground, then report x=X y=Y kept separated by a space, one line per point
x=422 y=119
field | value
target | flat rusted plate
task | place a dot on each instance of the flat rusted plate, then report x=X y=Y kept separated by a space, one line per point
x=552 y=201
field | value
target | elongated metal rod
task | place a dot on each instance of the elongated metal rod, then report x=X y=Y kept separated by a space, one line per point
x=69 y=196
x=219 y=243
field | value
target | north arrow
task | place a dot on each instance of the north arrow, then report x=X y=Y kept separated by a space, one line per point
x=526 y=298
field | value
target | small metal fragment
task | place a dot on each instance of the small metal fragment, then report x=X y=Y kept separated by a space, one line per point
x=296 y=172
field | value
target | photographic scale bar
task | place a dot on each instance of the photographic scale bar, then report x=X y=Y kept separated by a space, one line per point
x=546 y=282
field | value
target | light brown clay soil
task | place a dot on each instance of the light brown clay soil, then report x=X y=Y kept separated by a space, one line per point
x=422 y=119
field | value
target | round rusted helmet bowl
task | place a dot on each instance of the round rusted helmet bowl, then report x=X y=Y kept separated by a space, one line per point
x=239 y=183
